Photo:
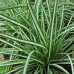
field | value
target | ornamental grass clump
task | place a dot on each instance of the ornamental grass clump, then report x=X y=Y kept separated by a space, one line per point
x=37 y=36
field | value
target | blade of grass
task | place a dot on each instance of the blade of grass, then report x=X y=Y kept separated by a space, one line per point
x=14 y=22
x=51 y=33
x=72 y=68
x=35 y=21
x=27 y=62
x=61 y=68
x=23 y=41
x=12 y=7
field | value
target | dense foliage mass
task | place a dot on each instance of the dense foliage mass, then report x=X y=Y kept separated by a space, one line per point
x=36 y=36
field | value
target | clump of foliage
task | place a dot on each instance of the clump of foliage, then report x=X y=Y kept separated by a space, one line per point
x=37 y=36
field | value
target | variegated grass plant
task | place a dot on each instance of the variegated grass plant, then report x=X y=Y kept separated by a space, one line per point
x=37 y=35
